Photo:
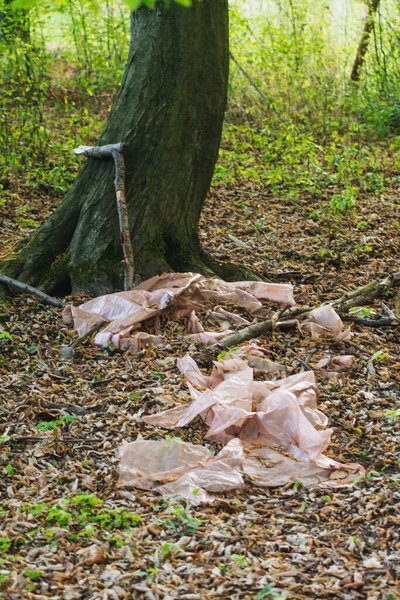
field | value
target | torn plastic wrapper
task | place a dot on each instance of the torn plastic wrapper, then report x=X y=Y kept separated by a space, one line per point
x=330 y=368
x=126 y=311
x=324 y=320
x=269 y=428
x=172 y=467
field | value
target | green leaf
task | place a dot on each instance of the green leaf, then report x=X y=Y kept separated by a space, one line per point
x=22 y=4
x=32 y=349
x=267 y=593
x=133 y=4
x=33 y=574
x=378 y=355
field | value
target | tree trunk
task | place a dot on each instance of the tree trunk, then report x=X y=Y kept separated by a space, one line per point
x=169 y=112
x=363 y=45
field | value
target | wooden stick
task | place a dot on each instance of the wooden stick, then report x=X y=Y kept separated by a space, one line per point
x=116 y=151
x=30 y=290
x=69 y=351
x=249 y=79
x=68 y=440
x=284 y=319
x=88 y=334
x=366 y=293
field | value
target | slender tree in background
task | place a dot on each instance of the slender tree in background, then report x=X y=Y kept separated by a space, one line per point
x=373 y=7
x=169 y=112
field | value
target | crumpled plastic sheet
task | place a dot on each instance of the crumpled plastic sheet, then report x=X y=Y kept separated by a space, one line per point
x=331 y=367
x=269 y=428
x=183 y=292
x=323 y=321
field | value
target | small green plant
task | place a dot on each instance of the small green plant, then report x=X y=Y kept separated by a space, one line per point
x=5 y=544
x=50 y=425
x=345 y=201
x=240 y=559
x=180 y=518
x=32 y=574
x=224 y=353
x=362 y=312
x=59 y=516
x=269 y=594
x=324 y=252
x=9 y=470
x=84 y=515
x=379 y=355
x=392 y=414
x=168 y=549
x=4 y=577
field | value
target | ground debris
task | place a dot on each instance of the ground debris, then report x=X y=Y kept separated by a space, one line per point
x=294 y=541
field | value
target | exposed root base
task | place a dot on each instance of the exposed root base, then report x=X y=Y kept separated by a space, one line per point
x=59 y=279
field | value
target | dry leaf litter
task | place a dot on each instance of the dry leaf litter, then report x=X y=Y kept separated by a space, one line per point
x=70 y=531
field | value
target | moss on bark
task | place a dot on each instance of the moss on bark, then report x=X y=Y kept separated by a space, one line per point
x=169 y=112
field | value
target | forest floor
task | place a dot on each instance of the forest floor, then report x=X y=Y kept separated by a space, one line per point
x=68 y=532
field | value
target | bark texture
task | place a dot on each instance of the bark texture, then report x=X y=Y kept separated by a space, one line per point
x=373 y=7
x=169 y=112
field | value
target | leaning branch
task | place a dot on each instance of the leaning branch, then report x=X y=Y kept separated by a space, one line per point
x=30 y=290
x=116 y=151
x=287 y=318
x=249 y=79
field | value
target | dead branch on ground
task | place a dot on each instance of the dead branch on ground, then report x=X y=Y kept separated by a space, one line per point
x=288 y=317
x=24 y=287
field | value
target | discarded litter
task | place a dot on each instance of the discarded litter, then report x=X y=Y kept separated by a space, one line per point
x=182 y=294
x=269 y=427
x=272 y=430
x=325 y=321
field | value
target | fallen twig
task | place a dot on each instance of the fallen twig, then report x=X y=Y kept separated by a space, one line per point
x=380 y=322
x=68 y=351
x=68 y=440
x=30 y=290
x=287 y=317
x=94 y=329
x=366 y=293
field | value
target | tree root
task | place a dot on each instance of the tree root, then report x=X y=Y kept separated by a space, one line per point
x=229 y=271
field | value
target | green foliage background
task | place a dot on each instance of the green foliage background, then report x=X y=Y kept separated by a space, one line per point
x=306 y=129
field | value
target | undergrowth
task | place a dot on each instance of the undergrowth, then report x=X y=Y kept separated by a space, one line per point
x=299 y=127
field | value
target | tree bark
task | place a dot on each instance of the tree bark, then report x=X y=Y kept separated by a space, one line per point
x=373 y=6
x=169 y=112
